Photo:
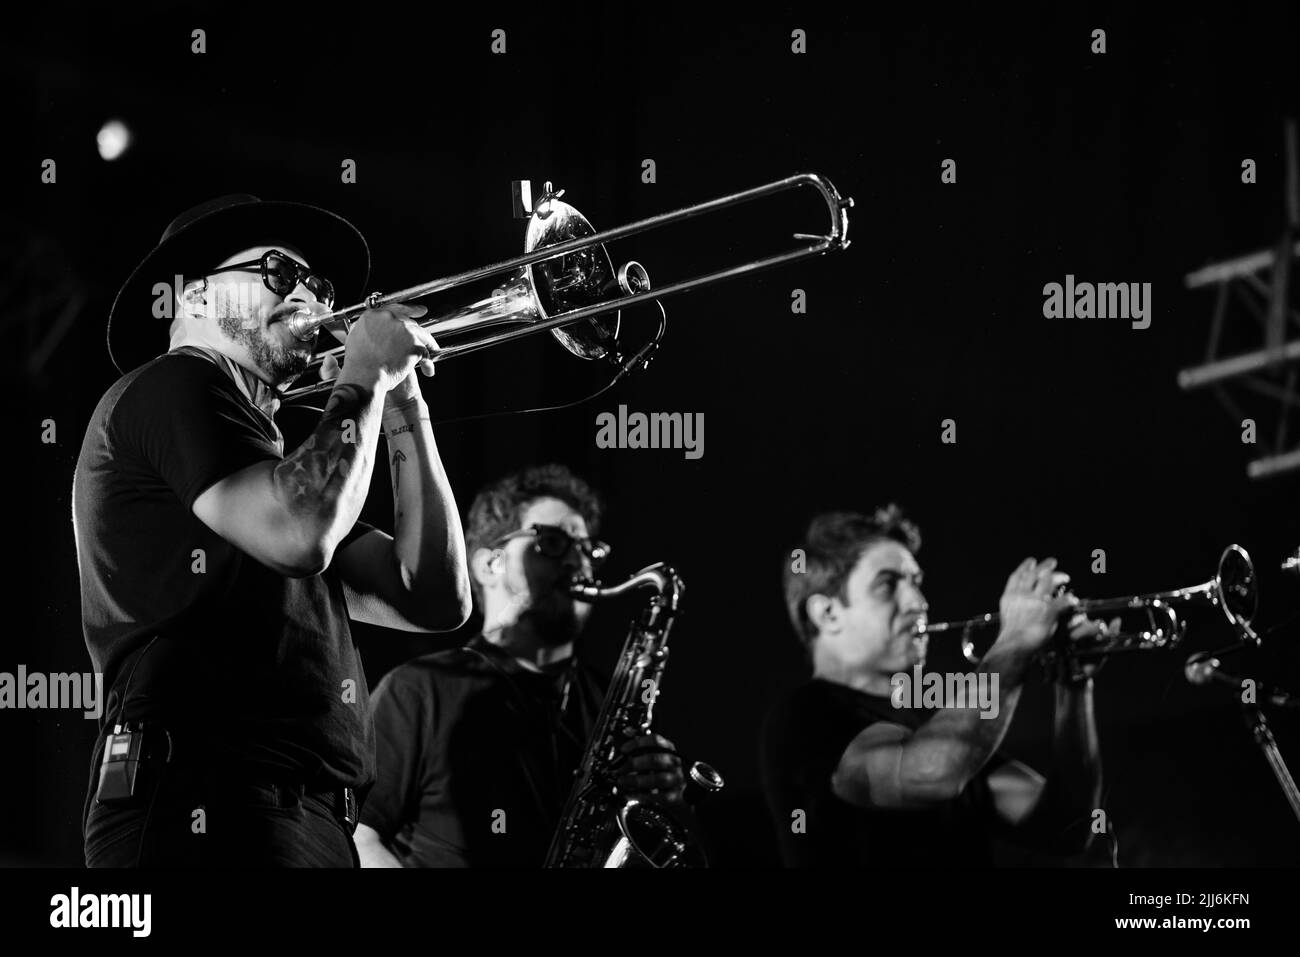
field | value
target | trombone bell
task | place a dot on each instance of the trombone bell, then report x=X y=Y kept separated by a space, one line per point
x=583 y=277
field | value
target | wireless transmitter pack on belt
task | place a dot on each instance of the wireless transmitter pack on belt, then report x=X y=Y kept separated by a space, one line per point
x=125 y=755
x=132 y=748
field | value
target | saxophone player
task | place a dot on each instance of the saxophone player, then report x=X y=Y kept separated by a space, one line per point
x=477 y=747
x=854 y=779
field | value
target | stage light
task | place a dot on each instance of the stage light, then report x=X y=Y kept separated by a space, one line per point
x=113 y=139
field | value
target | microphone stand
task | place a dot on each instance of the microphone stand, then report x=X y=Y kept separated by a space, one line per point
x=1251 y=712
x=1263 y=736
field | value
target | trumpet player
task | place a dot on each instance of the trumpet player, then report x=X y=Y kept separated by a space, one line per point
x=853 y=780
x=218 y=572
x=477 y=747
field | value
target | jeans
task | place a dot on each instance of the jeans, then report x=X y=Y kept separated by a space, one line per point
x=208 y=818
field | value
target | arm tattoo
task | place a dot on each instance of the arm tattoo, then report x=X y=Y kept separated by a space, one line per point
x=312 y=477
x=398 y=458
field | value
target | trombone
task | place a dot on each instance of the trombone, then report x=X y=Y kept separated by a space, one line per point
x=1233 y=589
x=566 y=280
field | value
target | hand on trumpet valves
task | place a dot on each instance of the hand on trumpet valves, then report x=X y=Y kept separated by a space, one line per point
x=1032 y=604
x=1083 y=628
x=384 y=346
x=1084 y=631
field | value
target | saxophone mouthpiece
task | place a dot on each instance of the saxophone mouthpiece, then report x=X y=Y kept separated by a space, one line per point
x=584 y=588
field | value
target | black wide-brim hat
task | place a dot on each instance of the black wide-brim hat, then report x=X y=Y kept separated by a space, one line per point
x=203 y=236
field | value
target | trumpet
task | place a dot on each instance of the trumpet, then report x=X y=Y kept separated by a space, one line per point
x=1233 y=589
x=566 y=282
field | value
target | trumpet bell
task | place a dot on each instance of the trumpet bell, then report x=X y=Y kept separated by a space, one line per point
x=1236 y=585
x=584 y=277
x=1159 y=623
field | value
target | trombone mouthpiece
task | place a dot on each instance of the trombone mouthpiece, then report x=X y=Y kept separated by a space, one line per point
x=304 y=324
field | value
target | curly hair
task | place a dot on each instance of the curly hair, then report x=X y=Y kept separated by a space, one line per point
x=832 y=546
x=499 y=508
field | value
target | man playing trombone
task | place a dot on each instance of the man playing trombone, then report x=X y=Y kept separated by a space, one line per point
x=218 y=573
x=853 y=780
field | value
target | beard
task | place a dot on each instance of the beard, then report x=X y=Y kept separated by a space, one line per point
x=279 y=362
x=554 y=619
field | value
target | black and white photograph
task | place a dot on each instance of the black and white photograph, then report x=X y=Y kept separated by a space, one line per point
x=363 y=514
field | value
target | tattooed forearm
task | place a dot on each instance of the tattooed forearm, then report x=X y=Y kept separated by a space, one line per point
x=427 y=537
x=313 y=478
x=398 y=458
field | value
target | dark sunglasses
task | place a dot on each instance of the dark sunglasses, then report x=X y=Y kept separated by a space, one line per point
x=554 y=542
x=281 y=275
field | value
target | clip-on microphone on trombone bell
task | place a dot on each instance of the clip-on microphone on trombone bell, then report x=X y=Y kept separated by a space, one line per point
x=580 y=282
x=565 y=281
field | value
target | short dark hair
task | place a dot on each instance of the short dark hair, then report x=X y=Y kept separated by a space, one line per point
x=831 y=547
x=499 y=508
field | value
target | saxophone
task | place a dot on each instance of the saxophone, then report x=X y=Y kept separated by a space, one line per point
x=600 y=828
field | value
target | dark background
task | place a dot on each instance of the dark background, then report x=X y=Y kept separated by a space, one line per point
x=1072 y=434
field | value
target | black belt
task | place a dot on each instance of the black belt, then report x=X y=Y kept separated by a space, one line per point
x=340 y=802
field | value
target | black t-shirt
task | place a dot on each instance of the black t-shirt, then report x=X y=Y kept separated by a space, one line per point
x=475 y=757
x=804 y=737
x=252 y=667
